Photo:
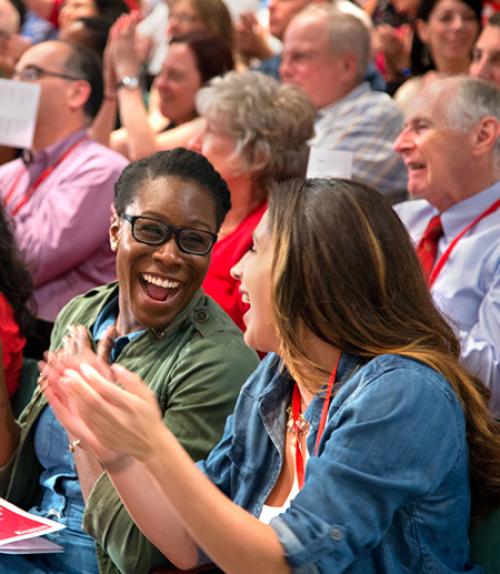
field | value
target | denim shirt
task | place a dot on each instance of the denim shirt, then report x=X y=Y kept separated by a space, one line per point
x=388 y=491
x=61 y=500
x=106 y=318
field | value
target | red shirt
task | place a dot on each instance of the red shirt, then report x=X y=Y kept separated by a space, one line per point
x=12 y=345
x=226 y=253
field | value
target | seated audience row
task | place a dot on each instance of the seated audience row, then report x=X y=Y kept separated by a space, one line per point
x=320 y=275
x=159 y=276
x=69 y=177
x=359 y=359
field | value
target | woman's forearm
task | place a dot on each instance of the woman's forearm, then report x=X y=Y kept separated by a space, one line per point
x=141 y=138
x=105 y=121
x=151 y=510
x=88 y=469
x=234 y=540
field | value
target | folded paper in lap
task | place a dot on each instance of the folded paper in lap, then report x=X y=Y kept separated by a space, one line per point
x=20 y=531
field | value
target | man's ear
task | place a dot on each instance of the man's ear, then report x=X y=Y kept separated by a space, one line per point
x=349 y=66
x=78 y=94
x=114 y=230
x=485 y=135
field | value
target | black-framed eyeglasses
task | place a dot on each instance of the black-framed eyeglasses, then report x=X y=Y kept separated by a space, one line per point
x=153 y=232
x=33 y=73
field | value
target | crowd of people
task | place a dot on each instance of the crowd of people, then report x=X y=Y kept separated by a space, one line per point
x=246 y=363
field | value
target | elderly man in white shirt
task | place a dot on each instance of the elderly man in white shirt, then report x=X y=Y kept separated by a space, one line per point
x=451 y=148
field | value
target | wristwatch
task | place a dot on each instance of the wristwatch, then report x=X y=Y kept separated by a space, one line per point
x=129 y=82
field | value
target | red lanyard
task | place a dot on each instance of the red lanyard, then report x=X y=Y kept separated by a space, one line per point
x=33 y=187
x=296 y=414
x=444 y=258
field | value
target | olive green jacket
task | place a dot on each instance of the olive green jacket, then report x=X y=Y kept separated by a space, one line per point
x=196 y=367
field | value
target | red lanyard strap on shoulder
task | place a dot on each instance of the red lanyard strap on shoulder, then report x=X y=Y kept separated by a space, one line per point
x=34 y=186
x=444 y=258
x=296 y=407
x=326 y=404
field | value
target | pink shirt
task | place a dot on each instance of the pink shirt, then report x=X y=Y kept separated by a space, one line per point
x=62 y=230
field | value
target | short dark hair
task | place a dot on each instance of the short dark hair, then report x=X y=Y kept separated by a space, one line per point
x=212 y=54
x=83 y=63
x=181 y=163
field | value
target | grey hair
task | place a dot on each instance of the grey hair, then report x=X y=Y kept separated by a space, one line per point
x=348 y=33
x=470 y=99
x=270 y=122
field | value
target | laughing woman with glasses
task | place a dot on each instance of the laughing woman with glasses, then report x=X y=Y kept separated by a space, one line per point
x=156 y=322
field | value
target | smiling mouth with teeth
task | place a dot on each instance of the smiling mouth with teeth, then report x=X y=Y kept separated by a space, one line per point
x=159 y=288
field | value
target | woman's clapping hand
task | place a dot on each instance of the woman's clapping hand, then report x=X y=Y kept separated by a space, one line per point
x=115 y=415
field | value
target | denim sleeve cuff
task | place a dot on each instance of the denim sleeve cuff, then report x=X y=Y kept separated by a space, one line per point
x=329 y=545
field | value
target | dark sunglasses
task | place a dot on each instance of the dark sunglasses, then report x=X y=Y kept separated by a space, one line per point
x=152 y=232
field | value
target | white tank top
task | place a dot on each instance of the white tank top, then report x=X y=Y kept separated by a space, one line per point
x=268 y=512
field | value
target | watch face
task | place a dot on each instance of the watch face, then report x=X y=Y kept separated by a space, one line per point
x=129 y=82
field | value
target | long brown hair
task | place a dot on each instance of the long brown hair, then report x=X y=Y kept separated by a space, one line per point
x=344 y=268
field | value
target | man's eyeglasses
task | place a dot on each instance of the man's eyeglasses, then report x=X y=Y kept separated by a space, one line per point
x=152 y=232
x=34 y=73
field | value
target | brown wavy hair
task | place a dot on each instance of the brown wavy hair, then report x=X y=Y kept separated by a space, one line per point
x=345 y=269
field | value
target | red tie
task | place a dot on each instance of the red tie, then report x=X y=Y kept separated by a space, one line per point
x=427 y=247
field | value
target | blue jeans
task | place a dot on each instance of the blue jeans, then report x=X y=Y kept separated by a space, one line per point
x=78 y=557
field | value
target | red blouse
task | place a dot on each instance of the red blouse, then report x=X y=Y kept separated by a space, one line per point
x=12 y=345
x=226 y=253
